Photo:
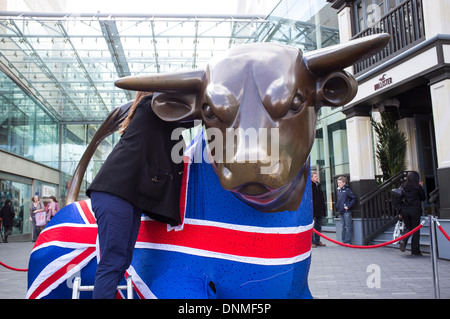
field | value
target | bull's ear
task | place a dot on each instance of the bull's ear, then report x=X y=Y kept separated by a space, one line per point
x=173 y=107
x=336 y=89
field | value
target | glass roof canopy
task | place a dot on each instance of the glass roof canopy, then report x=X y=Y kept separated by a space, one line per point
x=69 y=62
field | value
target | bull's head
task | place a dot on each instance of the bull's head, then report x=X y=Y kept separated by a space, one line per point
x=261 y=86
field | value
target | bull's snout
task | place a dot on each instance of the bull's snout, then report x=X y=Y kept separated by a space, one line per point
x=253 y=178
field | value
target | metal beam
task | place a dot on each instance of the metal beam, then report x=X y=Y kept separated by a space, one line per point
x=44 y=67
x=112 y=38
x=128 y=15
x=194 y=63
x=44 y=48
x=154 y=47
x=83 y=67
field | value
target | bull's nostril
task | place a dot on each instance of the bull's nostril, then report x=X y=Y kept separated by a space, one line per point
x=253 y=189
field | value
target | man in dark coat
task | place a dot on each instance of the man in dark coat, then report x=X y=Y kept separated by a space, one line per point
x=318 y=208
x=7 y=216
x=345 y=201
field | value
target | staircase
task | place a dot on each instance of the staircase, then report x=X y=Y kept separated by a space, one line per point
x=378 y=213
x=387 y=234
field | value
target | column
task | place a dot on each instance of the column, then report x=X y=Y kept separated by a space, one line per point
x=329 y=181
x=360 y=147
x=361 y=158
x=440 y=98
x=345 y=24
x=435 y=17
x=345 y=28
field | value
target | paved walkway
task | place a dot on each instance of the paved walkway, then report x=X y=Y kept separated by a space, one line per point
x=13 y=283
x=336 y=273
x=339 y=272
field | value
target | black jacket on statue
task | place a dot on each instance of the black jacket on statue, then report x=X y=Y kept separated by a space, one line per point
x=140 y=168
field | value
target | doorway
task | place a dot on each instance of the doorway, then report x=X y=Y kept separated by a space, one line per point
x=426 y=150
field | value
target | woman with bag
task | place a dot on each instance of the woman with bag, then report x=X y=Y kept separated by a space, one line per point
x=411 y=211
x=36 y=207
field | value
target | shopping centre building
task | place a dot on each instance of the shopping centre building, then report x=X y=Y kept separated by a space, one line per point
x=57 y=73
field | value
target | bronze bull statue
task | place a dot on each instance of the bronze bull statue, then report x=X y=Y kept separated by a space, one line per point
x=255 y=242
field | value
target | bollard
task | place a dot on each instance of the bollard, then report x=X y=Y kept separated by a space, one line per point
x=434 y=257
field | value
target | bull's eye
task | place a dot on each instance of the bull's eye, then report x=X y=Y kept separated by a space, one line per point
x=298 y=102
x=208 y=111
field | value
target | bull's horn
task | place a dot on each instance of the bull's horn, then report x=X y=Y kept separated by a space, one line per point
x=168 y=82
x=340 y=56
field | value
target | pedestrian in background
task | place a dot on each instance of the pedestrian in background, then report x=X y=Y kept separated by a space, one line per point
x=411 y=210
x=345 y=201
x=36 y=207
x=7 y=216
x=319 y=208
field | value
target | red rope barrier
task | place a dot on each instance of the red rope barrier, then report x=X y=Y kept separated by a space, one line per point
x=327 y=238
x=444 y=232
x=12 y=268
x=373 y=246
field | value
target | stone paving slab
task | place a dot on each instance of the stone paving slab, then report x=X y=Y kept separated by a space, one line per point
x=339 y=272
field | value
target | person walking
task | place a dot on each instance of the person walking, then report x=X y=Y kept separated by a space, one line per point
x=411 y=210
x=7 y=216
x=36 y=207
x=345 y=201
x=318 y=208
x=138 y=177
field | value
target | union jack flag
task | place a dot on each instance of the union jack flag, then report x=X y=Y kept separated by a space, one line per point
x=222 y=249
x=67 y=248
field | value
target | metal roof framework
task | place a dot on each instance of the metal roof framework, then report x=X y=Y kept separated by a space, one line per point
x=69 y=62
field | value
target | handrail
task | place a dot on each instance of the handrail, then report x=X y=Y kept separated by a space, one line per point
x=383 y=186
x=434 y=196
x=377 y=210
x=361 y=33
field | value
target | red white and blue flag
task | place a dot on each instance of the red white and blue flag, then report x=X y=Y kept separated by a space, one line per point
x=223 y=248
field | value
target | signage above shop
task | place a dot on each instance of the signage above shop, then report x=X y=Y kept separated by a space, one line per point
x=383 y=82
x=47 y=191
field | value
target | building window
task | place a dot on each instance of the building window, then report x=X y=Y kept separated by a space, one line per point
x=20 y=196
x=359 y=16
x=25 y=128
x=329 y=156
x=74 y=140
